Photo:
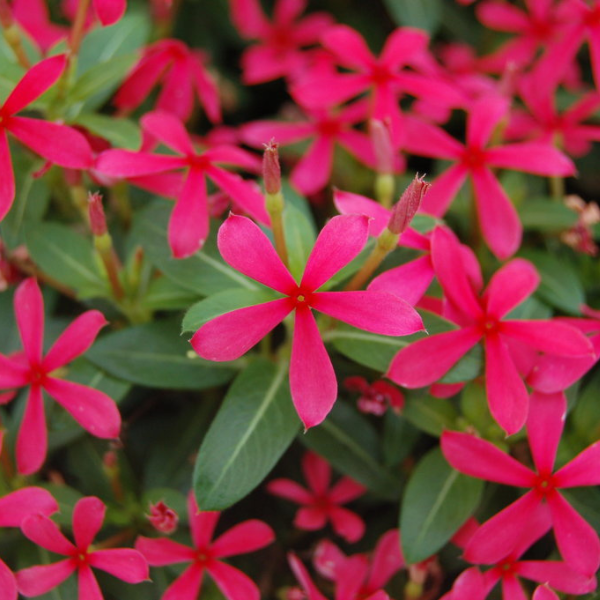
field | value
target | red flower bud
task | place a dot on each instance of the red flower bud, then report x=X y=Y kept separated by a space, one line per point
x=271 y=168
x=381 y=139
x=96 y=214
x=406 y=208
x=163 y=518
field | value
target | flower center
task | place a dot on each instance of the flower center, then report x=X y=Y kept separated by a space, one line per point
x=302 y=297
x=544 y=484
x=488 y=326
x=329 y=127
x=36 y=375
x=380 y=74
x=507 y=568
x=473 y=157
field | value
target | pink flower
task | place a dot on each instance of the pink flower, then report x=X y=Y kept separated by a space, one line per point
x=342 y=591
x=321 y=503
x=183 y=76
x=279 y=52
x=206 y=555
x=360 y=576
x=188 y=226
x=408 y=281
x=88 y=515
x=58 y=143
x=384 y=77
x=497 y=216
x=34 y=17
x=313 y=171
x=375 y=398
x=91 y=408
x=483 y=317
x=312 y=378
x=163 y=518
x=498 y=537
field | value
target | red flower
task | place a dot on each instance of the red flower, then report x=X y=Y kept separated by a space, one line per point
x=206 y=555
x=88 y=515
x=321 y=503
x=58 y=143
x=91 y=408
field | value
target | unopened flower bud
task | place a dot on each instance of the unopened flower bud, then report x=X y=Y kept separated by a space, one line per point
x=163 y=518
x=271 y=168
x=382 y=145
x=96 y=213
x=409 y=203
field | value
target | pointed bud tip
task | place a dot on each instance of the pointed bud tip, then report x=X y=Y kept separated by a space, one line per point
x=271 y=168
x=96 y=214
x=405 y=209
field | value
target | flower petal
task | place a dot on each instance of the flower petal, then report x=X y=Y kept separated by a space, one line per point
x=258 y=133
x=88 y=585
x=290 y=490
x=531 y=157
x=509 y=286
x=484 y=115
x=348 y=46
x=346 y=490
x=8 y=583
x=440 y=195
x=549 y=336
x=545 y=424
x=29 y=313
x=498 y=218
x=74 y=340
x=317 y=472
x=32 y=441
x=234 y=584
x=349 y=203
x=401 y=45
x=17 y=505
x=425 y=139
x=188 y=224
x=126 y=163
x=312 y=378
x=577 y=541
x=303 y=578
x=409 y=281
x=340 y=241
x=92 y=409
x=88 y=516
x=582 y=470
x=36 y=581
x=543 y=592
x=387 y=559
x=310 y=518
x=557 y=574
x=12 y=373
x=45 y=533
x=202 y=523
x=60 y=144
x=479 y=458
x=378 y=312
x=512 y=589
x=425 y=361
x=497 y=537
x=169 y=130
x=313 y=170
x=187 y=585
x=507 y=395
x=347 y=524
x=163 y=551
x=7 y=180
x=125 y=563
x=231 y=335
x=109 y=11
x=248 y=536
x=34 y=83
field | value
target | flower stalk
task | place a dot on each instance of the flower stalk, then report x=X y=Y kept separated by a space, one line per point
x=274 y=202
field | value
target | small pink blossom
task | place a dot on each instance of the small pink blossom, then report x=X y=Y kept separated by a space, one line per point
x=88 y=515
x=163 y=518
x=91 y=408
x=206 y=555
x=377 y=397
x=320 y=503
x=312 y=378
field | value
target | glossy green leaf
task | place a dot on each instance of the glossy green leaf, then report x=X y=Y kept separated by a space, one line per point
x=429 y=414
x=545 y=214
x=436 y=502
x=154 y=355
x=222 y=303
x=204 y=273
x=67 y=257
x=121 y=133
x=423 y=14
x=164 y=294
x=399 y=438
x=351 y=444
x=300 y=238
x=560 y=286
x=253 y=428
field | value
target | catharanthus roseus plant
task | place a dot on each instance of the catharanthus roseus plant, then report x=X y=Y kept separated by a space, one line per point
x=279 y=346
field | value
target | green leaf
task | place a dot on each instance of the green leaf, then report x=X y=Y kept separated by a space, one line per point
x=67 y=257
x=545 y=214
x=429 y=414
x=350 y=443
x=204 y=273
x=253 y=428
x=399 y=438
x=10 y=73
x=424 y=14
x=164 y=294
x=121 y=133
x=222 y=303
x=560 y=284
x=436 y=502
x=300 y=238
x=154 y=355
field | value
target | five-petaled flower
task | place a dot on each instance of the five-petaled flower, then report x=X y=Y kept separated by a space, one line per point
x=321 y=503
x=312 y=378
x=88 y=515
x=91 y=408
x=206 y=555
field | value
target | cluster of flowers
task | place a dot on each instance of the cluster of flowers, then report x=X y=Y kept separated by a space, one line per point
x=509 y=101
